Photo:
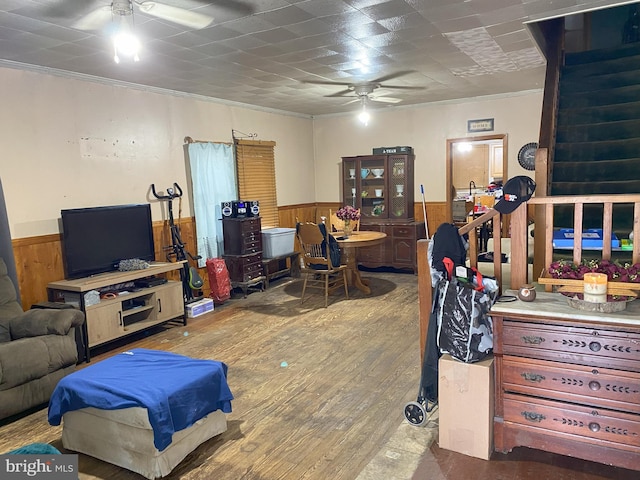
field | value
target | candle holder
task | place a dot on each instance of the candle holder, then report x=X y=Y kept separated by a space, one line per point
x=595 y=287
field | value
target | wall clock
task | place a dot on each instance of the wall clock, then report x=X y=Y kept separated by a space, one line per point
x=527 y=156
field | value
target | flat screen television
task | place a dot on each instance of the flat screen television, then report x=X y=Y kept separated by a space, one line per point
x=95 y=240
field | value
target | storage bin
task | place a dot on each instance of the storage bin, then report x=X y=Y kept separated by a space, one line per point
x=277 y=241
x=591 y=238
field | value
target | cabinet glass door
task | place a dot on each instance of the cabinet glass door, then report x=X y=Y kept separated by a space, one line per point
x=350 y=183
x=397 y=203
x=373 y=187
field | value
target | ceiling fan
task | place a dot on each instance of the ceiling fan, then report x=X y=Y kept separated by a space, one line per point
x=99 y=17
x=364 y=91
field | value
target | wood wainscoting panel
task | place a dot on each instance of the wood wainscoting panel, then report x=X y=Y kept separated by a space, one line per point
x=39 y=259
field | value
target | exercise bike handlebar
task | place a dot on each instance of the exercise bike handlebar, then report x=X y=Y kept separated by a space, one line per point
x=171 y=192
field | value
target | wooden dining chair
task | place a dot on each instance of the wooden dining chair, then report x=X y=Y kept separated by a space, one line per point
x=318 y=270
x=337 y=224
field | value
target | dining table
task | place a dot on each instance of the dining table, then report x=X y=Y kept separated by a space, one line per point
x=349 y=246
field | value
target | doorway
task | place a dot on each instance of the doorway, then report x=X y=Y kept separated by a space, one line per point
x=473 y=163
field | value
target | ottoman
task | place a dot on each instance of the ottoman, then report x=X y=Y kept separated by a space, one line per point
x=143 y=410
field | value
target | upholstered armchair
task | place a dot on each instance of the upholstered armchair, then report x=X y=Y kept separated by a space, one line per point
x=37 y=349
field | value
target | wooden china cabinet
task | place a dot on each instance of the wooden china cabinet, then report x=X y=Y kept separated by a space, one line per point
x=382 y=187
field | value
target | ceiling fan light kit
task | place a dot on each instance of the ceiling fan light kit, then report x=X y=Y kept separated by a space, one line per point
x=121 y=12
x=125 y=42
x=364 y=91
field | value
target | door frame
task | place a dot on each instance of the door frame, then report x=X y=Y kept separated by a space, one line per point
x=449 y=163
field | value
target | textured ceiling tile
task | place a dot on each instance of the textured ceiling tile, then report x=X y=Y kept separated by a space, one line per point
x=275 y=35
x=505 y=28
x=261 y=58
x=504 y=15
x=347 y=20
x=393 y=8
x=366 y=30
x=447 y=11
x=288 y=15
x=250 y=25
x=245 y=42
x=310 y=27
x=461 y=23
x=403 y=22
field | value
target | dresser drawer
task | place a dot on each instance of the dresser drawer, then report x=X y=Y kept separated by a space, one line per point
x=585 y=424
x=243 y=268
x=250 y=225
x=598 y=387
x=404 y=231
x=251 y=243
x=586 y=346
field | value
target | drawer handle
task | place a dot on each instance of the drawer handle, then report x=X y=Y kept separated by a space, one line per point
x=533 y=417
x=593 y=385
x=532 y=377
x=594 y=427
x=532 y=340
x=595 y=346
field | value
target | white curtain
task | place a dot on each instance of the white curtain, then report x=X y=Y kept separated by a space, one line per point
x=213 y=175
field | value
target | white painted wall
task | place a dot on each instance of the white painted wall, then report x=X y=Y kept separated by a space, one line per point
x=426 y=128
x=70 y=143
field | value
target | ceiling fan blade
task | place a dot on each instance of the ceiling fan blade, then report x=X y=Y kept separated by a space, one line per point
x=385 y=99
x=65 y=9
x=324 y=82
x=392 y=76
x=94 y=20
x=341 y=93
x=181 y=16
x=402 y=87
x=235 y=6
x=352 y=101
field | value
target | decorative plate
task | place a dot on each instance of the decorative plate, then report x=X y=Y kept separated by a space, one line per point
x=527 y=156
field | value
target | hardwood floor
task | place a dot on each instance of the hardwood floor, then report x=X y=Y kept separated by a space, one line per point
x=325 y=413
x=520 y=464
x=335 y=411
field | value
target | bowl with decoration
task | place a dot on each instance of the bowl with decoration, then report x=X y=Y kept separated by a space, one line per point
x=621 y=284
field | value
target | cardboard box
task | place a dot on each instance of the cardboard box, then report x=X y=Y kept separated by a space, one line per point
x=465 y=406
x=200 y=307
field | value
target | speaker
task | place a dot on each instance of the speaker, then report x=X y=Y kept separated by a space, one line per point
x=239 y=209
x=253 y=208
x=227 y=209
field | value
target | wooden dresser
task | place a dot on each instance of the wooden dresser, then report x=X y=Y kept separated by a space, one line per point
x=243 y=251
x=568 y=381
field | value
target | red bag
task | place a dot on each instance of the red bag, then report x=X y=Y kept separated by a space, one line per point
x=218 y=280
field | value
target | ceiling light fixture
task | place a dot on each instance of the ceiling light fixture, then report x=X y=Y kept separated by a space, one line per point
x=464 y=147
x=125 y=42
x=364 y=116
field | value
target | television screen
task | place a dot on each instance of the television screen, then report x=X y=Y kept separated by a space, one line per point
x=94 y=240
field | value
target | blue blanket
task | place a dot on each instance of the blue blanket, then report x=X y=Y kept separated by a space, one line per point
x=176 y=390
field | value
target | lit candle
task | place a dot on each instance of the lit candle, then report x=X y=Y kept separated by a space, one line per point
x=595 y=287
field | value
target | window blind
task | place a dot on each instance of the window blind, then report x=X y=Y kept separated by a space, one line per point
x=256 y=169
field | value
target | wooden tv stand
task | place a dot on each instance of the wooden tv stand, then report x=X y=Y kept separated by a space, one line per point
x=128 y=313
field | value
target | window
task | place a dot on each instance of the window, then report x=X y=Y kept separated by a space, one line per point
x=257 y=177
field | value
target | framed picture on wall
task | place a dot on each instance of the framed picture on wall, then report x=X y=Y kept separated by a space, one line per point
x=481 y=125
